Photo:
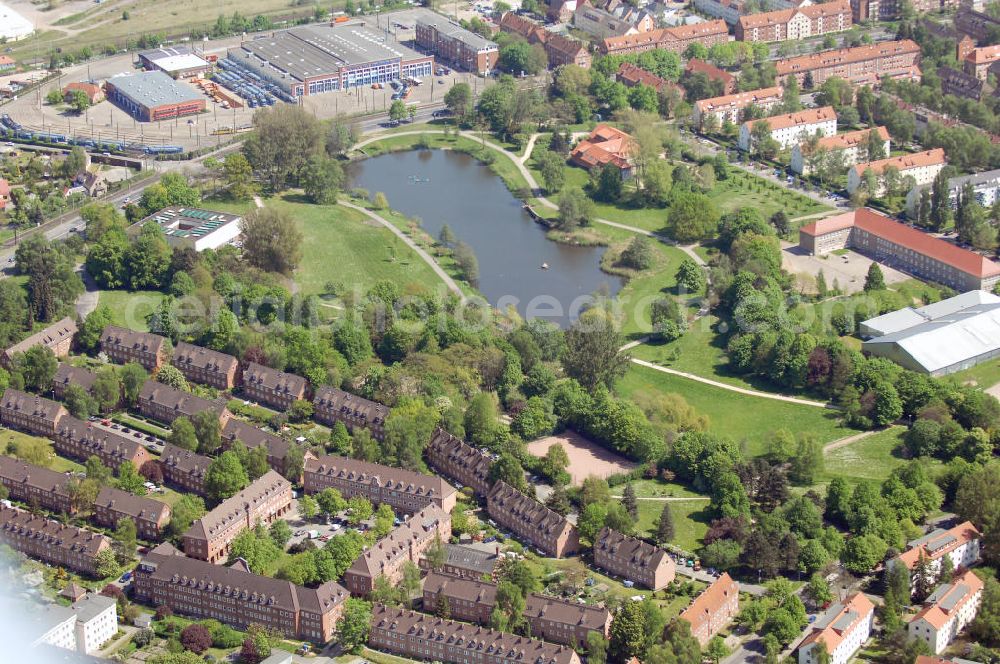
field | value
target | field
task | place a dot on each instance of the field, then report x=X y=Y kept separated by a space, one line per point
x=130 y=308
x=585 y=456
x=871 y=458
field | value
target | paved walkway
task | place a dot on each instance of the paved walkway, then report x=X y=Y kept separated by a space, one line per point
x=847 y=440
x=88 y=299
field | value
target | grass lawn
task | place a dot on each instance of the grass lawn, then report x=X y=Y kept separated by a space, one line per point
x=642 y=290
x=130 y=308
x=871 y=458
x=757 y=417
x=658 y=489
x=743 y=189
x=984 y=375
x=691 y=519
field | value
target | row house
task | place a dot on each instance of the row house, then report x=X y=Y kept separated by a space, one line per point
x=425 y=637
x=975 y=24
x=549 y=618
x=732 y=108
x=853 y=145
x=531 y=521
x=561 y=50
x=206 y=367
x=50 y=541
x=712 y=610
x=676 y=39
x=459 y=461
x=150 y=516
x=713 y=73
x=985 y=187
x=253 y=437
x=960 y=543
x=978 y=62
x=184 y=468
x=31 y=413
x=948 y=610
x=634 y=559
x=67 y=375
x=165 y=403
x=960 y=84
x=406 y=543
x=923 y=167
x=858 y=65
x=332 y=405
x=791 y=129
x=263 y=501
x=464 y=562
x=403 y=490
x=795 y=24
x=841 y=631
x=81 y=440
x=57 y=337
x=123 y=345
x=35 y=485
x=237 y=597
x=271 y=387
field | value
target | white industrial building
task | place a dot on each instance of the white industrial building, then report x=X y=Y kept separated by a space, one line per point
x=13 y=26
x=192 y=227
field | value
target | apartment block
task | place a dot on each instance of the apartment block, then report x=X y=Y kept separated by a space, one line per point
x=184 y=468
x=727 y=80
x=630 y=76
x=731 y=108
x=150 y=516
x=979 y=61
x=403 y=490
x=853 y=145
x=272 y=387
x=86 y=625
x=451 y=43
x=961 y=544
x=730 y=11
x=57 y=337
x=332 y=405
x=459 y=461
x=841 y=630
x=81 y=440
x=859 y=65
x=560 y=50
x=165 y=403
x=50 y=541
x=975 y=23
x=948 y=610
x=237 y=597
x=67 y=375
x=406 y=543
x=266 y=499
x=205 y=366
x=123 y=346
x=712 y=610
x=921 y=166
x=985 y=187
x=426 y=637
x=958 y=83
x=465 y=562
x=602 y=24
x=675 y=39
x=253 y=437
x=35 y=485
x=795 y=24
x=792 y=128
x=30 y=413
x=531 y=521
x=633 y=559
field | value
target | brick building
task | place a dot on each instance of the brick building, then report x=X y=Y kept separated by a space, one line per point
x=630 y=76
x=272 y=387
x=675 y=39
x=606 y=145
x=253 y=437
x=841 y=630
x=560 y=50
x=235 y=596
x=32 y=484
x=81 y=440
x=465 y=562
x=600 y=23
x=165 y=403
x=205 y=366
x=153 y=96
x=453 y=44
x=853 y=145
x=459 y=461
x=731 y=108
x=67 y=375
x=403 y=490
x=531 y=521
x=727 y=80
x=960 y=84
x=791 y=129
x=184 y=468
x=332 y=405
x=978 y=62
x=633 y=559
x=795 y=24
x=50 y=541
x=406 y=543
x=921 y=166
x=150 y=516
x=960 y=543
x=712 y=610
x=975 y=24
x=859 y=65
x=948 y=610
x=123 y=345
x=31 y=413
x=94 y=92
x=57 y=337
x=264 y=500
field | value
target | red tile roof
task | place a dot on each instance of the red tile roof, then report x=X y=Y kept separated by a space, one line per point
x=630 y=74
x=707 y=604
x=806 y=117
x=6 y=60
x=783 y=16
x=904 y=162
x=833 y=633
x=963 y=533
x=695 y=65
x=958 y=593
x=850 y=139
x=845 y=56
x=656 y=37
x=984 y=55
x=605 y=145
x=739 y=99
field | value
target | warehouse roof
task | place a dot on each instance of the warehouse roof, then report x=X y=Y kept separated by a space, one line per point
x=902 y=319
x=175 y=58
x=153 y=88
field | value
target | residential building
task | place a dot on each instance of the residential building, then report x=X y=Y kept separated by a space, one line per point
x=81 y=440
x=961 y=544
x=675 y=39
x=406 y=543
x=93 y=183
x=150 y=516
x=633 y=559
x=184 y=468
x=175 y=62
x=549 y=618
x=459 y=461
x=67 y=375
x=34 y=485
x=901 y=247
x=253 y=437
x=921 y=166
x=858 y=65
x=730 y=11
x=57 y=337
x=985 y=187
x=560 y=11
x=272 y=387
x=601 y=24
x=728 y=81
x=4 y=193
x=975 y=24
x=50 y=541
x=427 y=637
x=713 y=609
x=978 y=62
x=205 y=366
x=332 y=405
x=795 y=24
x=841 y=630
x=731 y=108
x=152 y=96
x=165 y=403
x=123 y=346
x=560 y=50
x=531 y=521
x=7 y=64
x=948 y=610
x=31 y=413
x=605 y=145
x=237 y=597
x=630 y=76
x=94 y=92
x=451 y=43
x=193 y=228
x=83 y=627
x=791 y=129
x=263 y=501
x=960 y=84
x=853 y=145
x=465 y=562
x=404 y=490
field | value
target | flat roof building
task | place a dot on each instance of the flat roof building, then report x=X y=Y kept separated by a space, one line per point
x=152 y=96
x=903 y=319
x=193 y=227
x=13 y=26
x=404 y=490
x=175 y=61
x=451 y=43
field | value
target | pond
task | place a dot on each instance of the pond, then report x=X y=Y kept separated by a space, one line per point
x=517 y=264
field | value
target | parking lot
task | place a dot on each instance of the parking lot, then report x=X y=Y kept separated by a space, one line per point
x=151 y=443
x=848 y=267
x=301 y=528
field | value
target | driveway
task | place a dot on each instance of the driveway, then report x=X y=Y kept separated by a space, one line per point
x=87 y=301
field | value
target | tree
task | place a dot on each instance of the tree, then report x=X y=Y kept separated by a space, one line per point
x=459 y=99
x=575 y=209
x=170 y=375
x=238 y=176
x=272 y=240
x=818 y=590
x=467 y=262
x=322 y=180
x=717 y=650
x=78 y=402
x=280 y=532
x=638 y=255
x=207 y=431
x=125 y=540
x=97 y=471
x=196 y=638
x=606 y=183
x=667 y=319
x=185 y=512
x=225 y=477
x=354 y=624
x=690 y=277
x=627 y=634
x=285 y=138
x=629 y=502
x=38 y=366
x=874 y=280
x=308 y=508
x=552 y=167
x=508 y=469
x=592 y=353
x=940 y=212
x=665 y=526
x=807 y=464
x=147 y=260
x=130 y=480
x=105 y=564
x=863 y=553
x=255 y=546
x=182 y=434
x=986 y=627
x=692 y=217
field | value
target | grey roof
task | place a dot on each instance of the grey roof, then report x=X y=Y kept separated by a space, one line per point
x=845 y=621
x=92 y=606
x=895 y=321
x=470 y=559
x=446 y=26
x=179 y=221
x=153 y=88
